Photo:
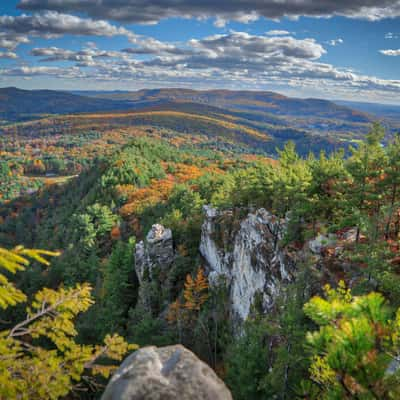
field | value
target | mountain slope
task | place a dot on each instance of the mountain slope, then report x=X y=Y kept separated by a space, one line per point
x=244 y=100
x=313 y=124
x=316 y=117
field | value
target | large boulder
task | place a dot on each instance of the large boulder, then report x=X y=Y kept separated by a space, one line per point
x=165 y=373
x=156 y=251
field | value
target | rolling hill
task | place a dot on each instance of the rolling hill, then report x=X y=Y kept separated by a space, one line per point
x=17 y=104
x=261 y=121
x=317 y=117
x=243 y=100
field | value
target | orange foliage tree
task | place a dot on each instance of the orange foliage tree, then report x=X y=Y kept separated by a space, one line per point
x=196 y=291
x=195 y=294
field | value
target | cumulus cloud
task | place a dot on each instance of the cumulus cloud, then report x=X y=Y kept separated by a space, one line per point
x=10 y=41
x=237 y=58
x=52 y=23
x=31 y=71
x=277 y=32
x=144 y=11
x=301 y=74
x=8 y=54
x=390 y=52
x=149 y=45
x=244 y=46
x=84 y=58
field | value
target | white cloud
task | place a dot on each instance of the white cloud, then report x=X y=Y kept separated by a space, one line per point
x=335 y=42
x=236 y=59
x=245 y=47
x=149 y=45
x=10 y=41
x=390 y=52
x=84 y=58
x=8 y=54
x=51 y=23
x=277 y=32
x=32 y=71
x=233 y=60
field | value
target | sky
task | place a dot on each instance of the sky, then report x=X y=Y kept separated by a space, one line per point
x=335 y=49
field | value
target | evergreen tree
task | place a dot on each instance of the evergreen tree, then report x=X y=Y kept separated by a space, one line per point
x=327 y=174
x=290 y=181
x=355 y=346
x=119 y=289
x=362 y=191
x=391 y=182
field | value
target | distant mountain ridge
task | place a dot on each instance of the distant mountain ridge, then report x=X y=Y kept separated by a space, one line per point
x=318 y=117
x=381 y=110
x=18 y=104
x=275 y=115
x=266 y=101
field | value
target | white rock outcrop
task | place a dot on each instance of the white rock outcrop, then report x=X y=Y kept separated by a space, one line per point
x=251 y=260
x=156 y=251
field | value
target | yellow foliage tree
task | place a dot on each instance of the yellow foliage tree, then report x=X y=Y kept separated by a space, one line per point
x=28 y=368
x=13 y=261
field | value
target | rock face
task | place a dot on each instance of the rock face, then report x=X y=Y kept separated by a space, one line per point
x=249 y=259
x=165 y=373
x=156 y=250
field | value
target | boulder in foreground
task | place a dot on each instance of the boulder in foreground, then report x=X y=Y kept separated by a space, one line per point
x=165 y=373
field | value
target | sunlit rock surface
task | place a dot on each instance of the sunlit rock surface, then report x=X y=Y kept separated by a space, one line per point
x=165 y=373
x=156 y=251
x=248 y=257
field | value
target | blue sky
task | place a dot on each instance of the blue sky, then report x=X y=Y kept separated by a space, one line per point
x=331 y=49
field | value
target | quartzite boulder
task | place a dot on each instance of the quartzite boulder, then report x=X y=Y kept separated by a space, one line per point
x=165 y=373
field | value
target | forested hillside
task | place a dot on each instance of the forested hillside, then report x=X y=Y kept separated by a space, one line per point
x=169 y=220
x=303 y=120
x=54 y=149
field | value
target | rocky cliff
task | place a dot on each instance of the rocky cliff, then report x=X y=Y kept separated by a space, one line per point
x=246 y=253
x=243 y=249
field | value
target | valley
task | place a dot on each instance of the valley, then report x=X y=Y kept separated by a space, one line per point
x=216 y=225
x=249 y=123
